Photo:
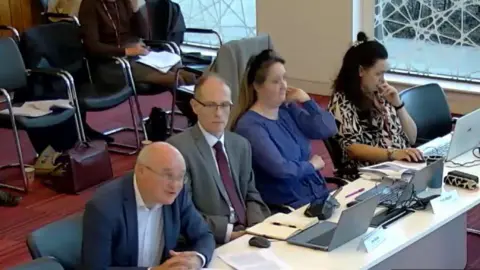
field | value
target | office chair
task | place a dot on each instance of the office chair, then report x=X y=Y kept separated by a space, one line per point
x=16 y=87
x=67 y=244
x=59 y=45
x=168 y=28
x=429 y=109
x=232 y=59
x=44 y=263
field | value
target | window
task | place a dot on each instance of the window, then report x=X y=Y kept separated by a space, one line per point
x=435 y=38
x=232 y=19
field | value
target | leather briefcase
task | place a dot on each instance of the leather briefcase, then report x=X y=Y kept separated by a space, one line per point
x=85 y=165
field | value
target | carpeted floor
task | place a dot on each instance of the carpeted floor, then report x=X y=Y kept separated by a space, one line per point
x=42 y=205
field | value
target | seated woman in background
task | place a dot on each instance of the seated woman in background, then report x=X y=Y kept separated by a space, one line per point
x=111 y=28
x=279 y=132
x=373 y=124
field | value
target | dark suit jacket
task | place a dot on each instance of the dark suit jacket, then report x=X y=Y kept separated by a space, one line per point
x=208 y=192
x=110 y=232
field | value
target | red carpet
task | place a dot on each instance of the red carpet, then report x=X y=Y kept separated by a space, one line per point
x=42 y=205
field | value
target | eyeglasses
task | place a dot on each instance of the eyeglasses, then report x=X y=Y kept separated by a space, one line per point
x=167 y=176
x=212 y=106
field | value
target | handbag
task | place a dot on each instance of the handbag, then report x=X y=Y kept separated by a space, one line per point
x=85 y=165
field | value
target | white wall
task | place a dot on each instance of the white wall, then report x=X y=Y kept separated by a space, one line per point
x=313 y=35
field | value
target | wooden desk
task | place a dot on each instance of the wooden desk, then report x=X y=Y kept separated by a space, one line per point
x=422 y=240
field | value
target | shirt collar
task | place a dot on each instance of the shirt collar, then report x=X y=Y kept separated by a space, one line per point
x=211 y=140
x=138 y=197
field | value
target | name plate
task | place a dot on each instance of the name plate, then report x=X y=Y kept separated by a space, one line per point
x=447 y=197
x=373 y=239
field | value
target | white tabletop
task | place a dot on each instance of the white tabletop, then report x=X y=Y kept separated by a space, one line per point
x=398 y=235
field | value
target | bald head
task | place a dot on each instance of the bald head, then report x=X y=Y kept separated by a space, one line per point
x=158 y=153
x=159 y=173
x=210 y=82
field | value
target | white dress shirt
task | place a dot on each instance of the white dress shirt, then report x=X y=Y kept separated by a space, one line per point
x=151 y=240
x=150 y=231
x=212 y=140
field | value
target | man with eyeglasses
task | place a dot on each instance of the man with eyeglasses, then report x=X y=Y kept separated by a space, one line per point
x=135 y=221
x=219 y=164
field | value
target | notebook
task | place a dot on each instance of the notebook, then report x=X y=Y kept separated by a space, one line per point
x=162 y=61
x=281 y=226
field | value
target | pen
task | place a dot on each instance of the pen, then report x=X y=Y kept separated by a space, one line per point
x=355 y=192
x=278 y=224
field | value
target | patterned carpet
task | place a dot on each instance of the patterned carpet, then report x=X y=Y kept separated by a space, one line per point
x=42 y=205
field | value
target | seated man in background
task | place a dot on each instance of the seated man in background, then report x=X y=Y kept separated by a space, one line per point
x=280 y=130
x=135 y=221
x=219 y=164
x=111 y=28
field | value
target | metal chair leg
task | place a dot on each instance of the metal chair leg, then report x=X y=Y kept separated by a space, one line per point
x=473 y=231
x=17 y=146
x=135 y=148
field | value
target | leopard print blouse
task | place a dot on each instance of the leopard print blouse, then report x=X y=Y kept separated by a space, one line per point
x=385 y=130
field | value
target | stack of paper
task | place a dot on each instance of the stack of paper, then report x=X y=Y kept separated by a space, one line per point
x=38 y=108
x=254 y=260
x=161 y=61
x=390 y=169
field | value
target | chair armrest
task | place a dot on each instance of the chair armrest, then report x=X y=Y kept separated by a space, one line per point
x=48 y=15
x=206 y=32
x=160 y=44
x=192 y=70
x=340 y=182
x=14 y=31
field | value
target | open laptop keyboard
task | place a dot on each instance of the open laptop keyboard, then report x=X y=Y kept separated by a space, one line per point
x=386 y=193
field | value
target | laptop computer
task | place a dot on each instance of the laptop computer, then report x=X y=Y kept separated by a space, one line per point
x=392 y=193
x=466 y=136
x=327 y=236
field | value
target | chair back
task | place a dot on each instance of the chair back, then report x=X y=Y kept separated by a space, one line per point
x=232 y=59
x=428 y=107
x=61 y=240
x=12 y=69
x=335 y=152
x=39 y=264
x=55 y=45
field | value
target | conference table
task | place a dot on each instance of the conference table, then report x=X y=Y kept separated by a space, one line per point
x=421 y=240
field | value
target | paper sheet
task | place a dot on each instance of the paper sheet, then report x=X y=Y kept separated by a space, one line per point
x=161 y=61
x=254 y=260
x=38 y=108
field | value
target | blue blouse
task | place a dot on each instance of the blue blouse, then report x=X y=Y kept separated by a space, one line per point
x=281 y=152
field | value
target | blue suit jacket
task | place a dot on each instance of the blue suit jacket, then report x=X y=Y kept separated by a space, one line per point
x=110 y=232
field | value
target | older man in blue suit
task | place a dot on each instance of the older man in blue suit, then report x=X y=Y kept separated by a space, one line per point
x=135 y=221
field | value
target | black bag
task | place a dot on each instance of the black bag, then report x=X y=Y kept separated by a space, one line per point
x=157 y=125
x=167 y=20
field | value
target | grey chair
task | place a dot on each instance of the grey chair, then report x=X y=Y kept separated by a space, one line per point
x=67 y=244
x=15 y=86
x=44 y=263
x=232 y=59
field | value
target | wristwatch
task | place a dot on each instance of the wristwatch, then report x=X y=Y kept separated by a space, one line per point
x=390 y=151
x=399 y=106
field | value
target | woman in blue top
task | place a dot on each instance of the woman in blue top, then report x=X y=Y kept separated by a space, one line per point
x=279 y=122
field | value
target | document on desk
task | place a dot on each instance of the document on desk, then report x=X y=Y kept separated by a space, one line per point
x=255 y=260
x=161 y=61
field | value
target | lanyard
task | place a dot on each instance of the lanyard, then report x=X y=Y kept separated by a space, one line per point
x=114 y=26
